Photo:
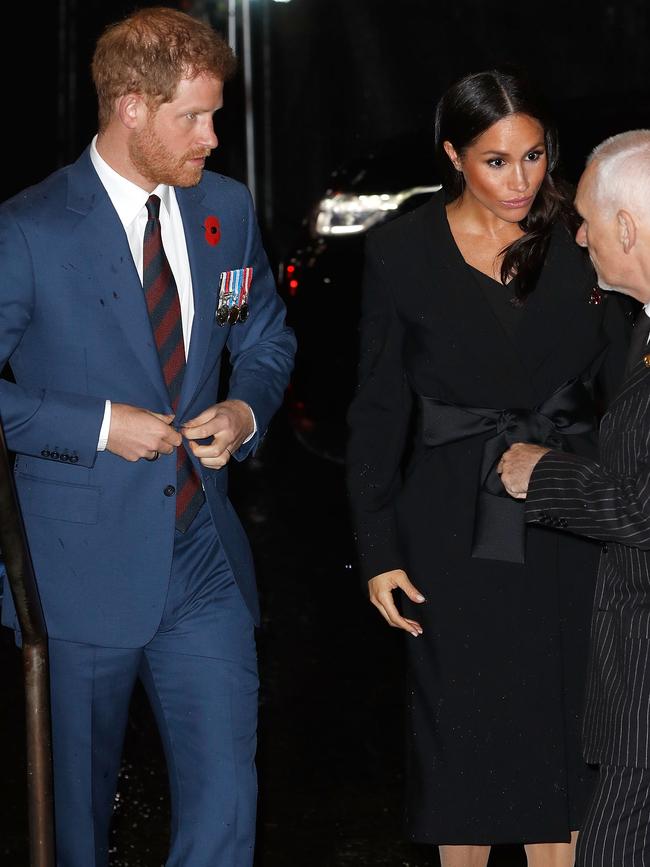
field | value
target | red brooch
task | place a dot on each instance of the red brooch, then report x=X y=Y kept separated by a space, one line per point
x=212 y=228
x=596 y=295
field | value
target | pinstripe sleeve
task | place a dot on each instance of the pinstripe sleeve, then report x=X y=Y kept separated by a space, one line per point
x=578 y=495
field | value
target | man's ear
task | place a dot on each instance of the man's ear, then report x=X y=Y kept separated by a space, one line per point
x=453 y=156
x=130 y=108
x=626 y=230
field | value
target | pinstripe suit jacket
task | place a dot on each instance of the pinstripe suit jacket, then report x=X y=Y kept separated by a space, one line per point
x=609 y=500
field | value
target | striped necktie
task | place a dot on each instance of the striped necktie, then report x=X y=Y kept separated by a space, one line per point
x=165 y=314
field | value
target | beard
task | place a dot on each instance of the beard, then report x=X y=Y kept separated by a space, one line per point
x=155 y=162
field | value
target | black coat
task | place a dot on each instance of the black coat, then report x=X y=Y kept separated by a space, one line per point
x=495 y=683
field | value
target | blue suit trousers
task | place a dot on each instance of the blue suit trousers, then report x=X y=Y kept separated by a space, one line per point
x=200 y=674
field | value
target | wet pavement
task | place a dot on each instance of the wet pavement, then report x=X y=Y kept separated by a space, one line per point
x=330 y=735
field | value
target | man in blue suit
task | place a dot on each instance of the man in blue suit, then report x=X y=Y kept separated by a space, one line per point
x=126 y=278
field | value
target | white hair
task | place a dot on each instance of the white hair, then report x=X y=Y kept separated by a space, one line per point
x=622 y=171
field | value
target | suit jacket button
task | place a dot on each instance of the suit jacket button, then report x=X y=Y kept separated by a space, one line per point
x=169 y=491
x=74 y=459
x=55 y=456
x=605 y=549
x=45 y=453
x=64 y=457
x=563 y=522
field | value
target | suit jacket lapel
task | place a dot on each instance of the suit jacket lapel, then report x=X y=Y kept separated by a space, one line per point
x=111 y=266
x=206 y=264
x=639 y=375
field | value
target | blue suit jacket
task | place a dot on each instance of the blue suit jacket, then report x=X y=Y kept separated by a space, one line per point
x=75 y=330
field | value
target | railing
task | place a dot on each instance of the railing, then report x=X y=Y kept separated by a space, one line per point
x=20 y=572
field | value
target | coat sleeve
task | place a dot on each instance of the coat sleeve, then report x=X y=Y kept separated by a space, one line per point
x=378 y=423
x=34 y=418
x=576 y=494
x=261 y=353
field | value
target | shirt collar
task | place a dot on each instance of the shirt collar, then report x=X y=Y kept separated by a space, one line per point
x=128 y=198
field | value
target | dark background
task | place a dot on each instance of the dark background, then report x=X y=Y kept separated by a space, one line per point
x=331 y=79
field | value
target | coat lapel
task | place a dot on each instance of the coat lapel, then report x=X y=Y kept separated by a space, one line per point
x=207 y=261
x=466 y=303
x=554 y=307
x=638 y=377
x=113 y=275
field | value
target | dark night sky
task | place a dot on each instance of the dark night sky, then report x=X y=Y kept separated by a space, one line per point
x=332 y=77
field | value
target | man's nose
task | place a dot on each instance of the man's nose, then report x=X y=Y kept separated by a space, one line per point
x=581 y=235
x=209 y=136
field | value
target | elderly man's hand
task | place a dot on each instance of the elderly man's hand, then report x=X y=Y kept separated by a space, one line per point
x=516 y=467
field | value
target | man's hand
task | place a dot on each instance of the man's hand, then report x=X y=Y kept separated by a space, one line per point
x=516 y=467
x=228 y=423
x=381 y=595
x=136 y=433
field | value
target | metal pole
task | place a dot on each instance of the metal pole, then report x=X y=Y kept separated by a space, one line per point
x=232 y=24
x=267 y=167
x=17 y=561
x=247 y=39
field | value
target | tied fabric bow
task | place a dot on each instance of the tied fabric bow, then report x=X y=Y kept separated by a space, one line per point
x=499 y=527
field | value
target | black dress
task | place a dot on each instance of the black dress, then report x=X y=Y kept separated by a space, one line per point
x=495 y=684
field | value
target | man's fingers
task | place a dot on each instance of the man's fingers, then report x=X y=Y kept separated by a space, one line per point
x=214 y=455
x=201 y=426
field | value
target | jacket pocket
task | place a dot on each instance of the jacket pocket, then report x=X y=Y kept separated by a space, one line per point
x=61 y=501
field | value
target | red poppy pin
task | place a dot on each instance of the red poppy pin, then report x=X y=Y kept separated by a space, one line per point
x=212 y=228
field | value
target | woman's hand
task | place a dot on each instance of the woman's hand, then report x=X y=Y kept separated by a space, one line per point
x=381 y=595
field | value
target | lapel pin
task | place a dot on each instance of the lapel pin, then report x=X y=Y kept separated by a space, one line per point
x=646 y=360
x=596 y=295
x=212 y=227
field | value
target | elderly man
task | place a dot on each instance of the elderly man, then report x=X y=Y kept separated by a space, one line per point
x=609 y=500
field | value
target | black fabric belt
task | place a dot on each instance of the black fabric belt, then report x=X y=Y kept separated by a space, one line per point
x=499 y=526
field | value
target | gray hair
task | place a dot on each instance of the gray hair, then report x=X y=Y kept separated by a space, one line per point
x=622 y=171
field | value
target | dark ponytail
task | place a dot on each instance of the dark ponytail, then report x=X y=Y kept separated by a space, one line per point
x=465 y=111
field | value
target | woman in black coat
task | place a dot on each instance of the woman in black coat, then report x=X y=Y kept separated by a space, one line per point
x=482 y=324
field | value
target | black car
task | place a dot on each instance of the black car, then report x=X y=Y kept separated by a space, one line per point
x=320 y=279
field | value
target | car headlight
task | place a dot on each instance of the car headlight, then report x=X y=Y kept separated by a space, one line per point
x=349 y=214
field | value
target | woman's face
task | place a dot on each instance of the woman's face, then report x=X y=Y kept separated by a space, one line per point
x=504 y=167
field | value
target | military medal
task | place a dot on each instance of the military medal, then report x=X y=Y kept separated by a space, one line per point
x=224 y=298
x=243 y=298
x=232 y=305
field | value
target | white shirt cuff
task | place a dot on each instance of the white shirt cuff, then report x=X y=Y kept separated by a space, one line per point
x=104 y=429
x=250 y=436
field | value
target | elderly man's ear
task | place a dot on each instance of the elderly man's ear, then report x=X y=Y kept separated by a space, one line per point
x=626 y=230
